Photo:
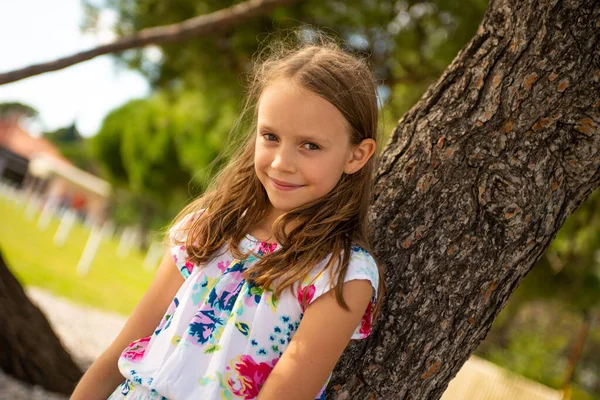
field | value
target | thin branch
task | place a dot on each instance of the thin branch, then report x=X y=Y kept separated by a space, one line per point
x=197 y=26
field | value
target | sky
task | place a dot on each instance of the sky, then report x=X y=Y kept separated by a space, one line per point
x=34 y=31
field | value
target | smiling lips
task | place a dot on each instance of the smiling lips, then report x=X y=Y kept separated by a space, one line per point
x=285 y=186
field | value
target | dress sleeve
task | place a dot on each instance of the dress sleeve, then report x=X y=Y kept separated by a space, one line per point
x=177 y=237
x=361 y=266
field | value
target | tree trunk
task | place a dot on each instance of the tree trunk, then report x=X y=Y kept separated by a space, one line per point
x=474 y=183
x=30 y=350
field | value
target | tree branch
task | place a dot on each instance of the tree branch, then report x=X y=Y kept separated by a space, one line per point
x=197 y=26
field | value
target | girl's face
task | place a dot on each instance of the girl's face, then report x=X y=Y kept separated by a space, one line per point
x=302 y=145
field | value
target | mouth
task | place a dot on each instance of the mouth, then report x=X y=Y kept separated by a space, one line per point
x=281 y=185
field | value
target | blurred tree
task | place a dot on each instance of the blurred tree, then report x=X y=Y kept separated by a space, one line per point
x=136 y=148
x=154 y=147
x=73 y=146
x=427 y=35
x=18 y=110
x=68 y=134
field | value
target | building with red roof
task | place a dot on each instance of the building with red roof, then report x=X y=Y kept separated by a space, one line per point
x=37 y=165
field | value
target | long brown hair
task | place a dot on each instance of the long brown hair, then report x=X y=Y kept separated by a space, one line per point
x=236 y=200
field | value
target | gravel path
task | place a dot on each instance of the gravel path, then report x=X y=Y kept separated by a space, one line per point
x=85 y=332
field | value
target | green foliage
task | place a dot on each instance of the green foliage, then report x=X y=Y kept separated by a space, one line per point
x=68 y=134
x=15 y=108
x=73 y=146
x=162 y=150
x=408 y=42
x=136 y=147
x=536 y=347
x=538 y=343
x=201 y=131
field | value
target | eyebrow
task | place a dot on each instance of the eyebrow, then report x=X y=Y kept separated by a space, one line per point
x=301 y=137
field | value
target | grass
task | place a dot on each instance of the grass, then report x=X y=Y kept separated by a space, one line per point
x=112 y=283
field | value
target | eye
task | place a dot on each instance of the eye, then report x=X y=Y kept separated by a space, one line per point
x=311 y=146
x=270 y=137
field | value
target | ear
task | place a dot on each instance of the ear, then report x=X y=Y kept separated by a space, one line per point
x=360 y=155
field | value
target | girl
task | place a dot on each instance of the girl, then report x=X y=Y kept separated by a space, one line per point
x=269 y=273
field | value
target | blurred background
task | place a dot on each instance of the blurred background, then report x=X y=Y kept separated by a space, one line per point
x=96 y=159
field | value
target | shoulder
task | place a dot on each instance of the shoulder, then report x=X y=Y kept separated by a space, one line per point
x=361 y=266
x=177 y=231
x=177 y=236
x=361 y=278
x=324 y=332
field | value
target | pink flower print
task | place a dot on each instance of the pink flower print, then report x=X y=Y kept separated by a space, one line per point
x=223 y=265
x=249 y=376
x=135 y=351
x=310 y=293
x=266 y=247
x=188 y=267
x=366 y=322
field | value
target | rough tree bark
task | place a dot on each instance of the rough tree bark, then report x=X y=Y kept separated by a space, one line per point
x=29 y=348
x=474 y=183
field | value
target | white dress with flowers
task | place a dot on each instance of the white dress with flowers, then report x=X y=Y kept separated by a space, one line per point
x=221 y=336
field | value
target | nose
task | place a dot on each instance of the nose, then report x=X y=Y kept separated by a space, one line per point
x=284 y=160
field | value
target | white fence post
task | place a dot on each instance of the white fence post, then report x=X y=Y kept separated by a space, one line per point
x=66 y=223
x=127 y=239
x=33 y=205
x=108 y=229
x=47 y=213
x=91 y=247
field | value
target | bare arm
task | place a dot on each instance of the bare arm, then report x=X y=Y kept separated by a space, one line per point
x=103 y=376
x=323 y=334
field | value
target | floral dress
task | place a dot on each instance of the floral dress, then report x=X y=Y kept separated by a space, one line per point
x=221 y=336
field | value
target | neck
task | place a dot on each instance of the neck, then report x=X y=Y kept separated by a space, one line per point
x=263 y=230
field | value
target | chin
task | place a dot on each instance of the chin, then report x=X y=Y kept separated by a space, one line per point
x=283 y=206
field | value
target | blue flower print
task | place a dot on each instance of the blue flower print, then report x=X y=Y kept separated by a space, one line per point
x=202 y=326
x=166 y=321
x=253 y=294
x=224 y=295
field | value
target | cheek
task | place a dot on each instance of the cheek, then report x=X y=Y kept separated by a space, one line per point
x=322 y=176
x=333 y=174
x=260 y=158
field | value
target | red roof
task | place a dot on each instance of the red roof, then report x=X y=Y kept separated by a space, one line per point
x=14 y=138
